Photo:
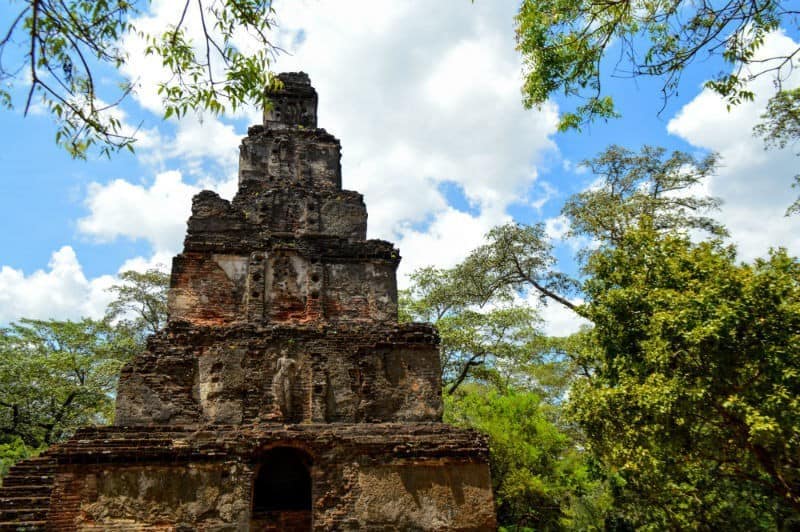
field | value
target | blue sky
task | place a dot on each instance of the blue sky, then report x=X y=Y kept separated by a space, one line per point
x=425 y=99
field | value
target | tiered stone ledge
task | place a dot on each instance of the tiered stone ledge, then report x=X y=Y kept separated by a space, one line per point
x=25 y=493
x=374 y=442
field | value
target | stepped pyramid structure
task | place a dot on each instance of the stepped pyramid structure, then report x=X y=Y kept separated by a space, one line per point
x=283 y=394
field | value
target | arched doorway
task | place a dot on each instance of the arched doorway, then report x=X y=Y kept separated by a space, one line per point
x=282 y=491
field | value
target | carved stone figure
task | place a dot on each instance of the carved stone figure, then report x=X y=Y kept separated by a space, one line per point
x=283 y=382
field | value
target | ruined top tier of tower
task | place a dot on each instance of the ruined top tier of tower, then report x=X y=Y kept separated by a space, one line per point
x=294 y=105
x=288 y=150
x=291 y=247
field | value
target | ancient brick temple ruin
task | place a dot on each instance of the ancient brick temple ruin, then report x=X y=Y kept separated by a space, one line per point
x=283 y=394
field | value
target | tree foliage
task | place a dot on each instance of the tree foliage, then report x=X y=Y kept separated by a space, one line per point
x=694 y=400
x=58 y=375
x=632 y=186
x=60 y=50
x=568 y=46
x=781 y=125
x=486 y=341
x=629 y=187
x=504 y=378
x=140 y=305
x=684 y=390
x=12 y=450
x=541 y=480
x=516 y=257
x=490 y=345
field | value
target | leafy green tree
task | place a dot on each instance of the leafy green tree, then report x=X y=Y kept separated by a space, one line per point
x=516 y=258
x=58 y=375
x=691 y=400
x=630 y=187
x=505 y=379
x=12 y=450
x=685 y=388
x=61 y=49
x=694 y=400
x=780 y=127
x=487 y=341
x=541 y=480
x=140 y=305
x=434 y=293
x=649 y=184
x=794 y=208
x=492 y=346
x=569 y=46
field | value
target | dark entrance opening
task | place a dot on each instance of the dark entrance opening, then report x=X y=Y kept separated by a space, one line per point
x=282 y=491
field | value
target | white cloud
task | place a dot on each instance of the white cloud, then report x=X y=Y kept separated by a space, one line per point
x=754 y=184
x=157 y=213
x=199 y=139
x=558 y=320
x=161 y=261
x=61 y=292
x=445 y=242
x=420 y=93
x=199 y=144
x=557 y=227
x=575 y=168
x=438 y=101
x=548 y=192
